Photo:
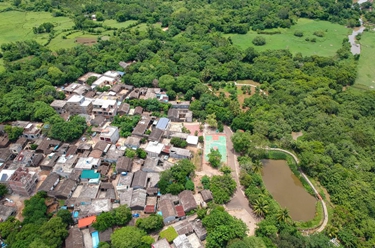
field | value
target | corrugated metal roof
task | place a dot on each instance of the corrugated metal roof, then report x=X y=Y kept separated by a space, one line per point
x=162 y=123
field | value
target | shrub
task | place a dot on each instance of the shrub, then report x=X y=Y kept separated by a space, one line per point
x=319 y=33
x=298 y=33
x=313 y=40
x=259 y=41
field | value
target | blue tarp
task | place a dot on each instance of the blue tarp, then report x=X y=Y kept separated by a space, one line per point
x=95 y=239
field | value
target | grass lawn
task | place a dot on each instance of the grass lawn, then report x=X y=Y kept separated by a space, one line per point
x=170 y=234
x=115 y=24
x=4 y=5
x=143 y=26
x=366 y=73
x=58 y=42
x=324 y=46
x=17 y=26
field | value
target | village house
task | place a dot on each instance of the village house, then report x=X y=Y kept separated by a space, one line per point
x=180 y=105
x=83 y=79
x=102 y=146
x=17 y=147
x=110 y=134
x=6 y=155
x=132 y=142
x=89 y=191
x=4 y=141
x=183 y=227
x=182 y=242
x=103 y=81
x=124 y=182
x=114 y=74
x=123 y=109
x=142 y=126
x=78 y=104
x=90 y=176
x=138 y=200
x=65 y=164
x=199 y=230
x=98 y=121
x=75 y=238
x=6 y=212
x=138 y=110
x=87 y=163
x=139 y=180
x=106 y=108
x=167 y=210
x=86 y=222
x=23 y=182
x=161 y=243
x=180 y=115
x=47 y=146
x=59 y=106
x=187 y=200
x=49 y=184
x=5 y=175
x=113 y=154
x=156 y=135
x=206 y=195
x=65 y=189
x=25 y=158
x=180 y=153
x=49 y=162
x=124 y=164
x=77 y=89
x=154 y=149
x=31 y=131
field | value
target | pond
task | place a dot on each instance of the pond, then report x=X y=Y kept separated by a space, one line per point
x=288 y=190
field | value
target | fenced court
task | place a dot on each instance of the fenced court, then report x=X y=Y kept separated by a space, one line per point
x=217 y=142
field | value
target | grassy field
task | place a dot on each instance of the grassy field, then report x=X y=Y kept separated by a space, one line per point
x=115 y=24
x=324 y=46
x=366 y=72
x=17 y=26
x=71 y=40
x=2 y=65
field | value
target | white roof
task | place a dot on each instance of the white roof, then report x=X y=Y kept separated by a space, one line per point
x=104 y=102
x=112 y=74
x=103 y=79
x=75 y=98
x=192 y=140
x=87 y=163
x=154 y=147
x=6 y=174
x=108 y=131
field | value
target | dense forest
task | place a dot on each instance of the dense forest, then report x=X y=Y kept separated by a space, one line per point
x=192 y=60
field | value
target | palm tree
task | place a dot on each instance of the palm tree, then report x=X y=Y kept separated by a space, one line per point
x=260 y=207
x=283 y=215
x=257 y=166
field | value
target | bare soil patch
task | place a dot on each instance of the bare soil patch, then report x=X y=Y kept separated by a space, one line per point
x=246 y=218
x=295 y=135
x=86 y=41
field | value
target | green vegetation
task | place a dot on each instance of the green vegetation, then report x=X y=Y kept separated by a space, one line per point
x=174 y=180
x=117 y=217
x=149 y=224
x=126 y=124
x=214 y=158
x=287 y=38
x=178 y=142
x=222 y=188
x=131 y=237
x=317 y=221
x=366 y=73
x=170 y=234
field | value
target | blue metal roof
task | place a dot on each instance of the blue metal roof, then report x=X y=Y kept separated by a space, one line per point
x=162 y=123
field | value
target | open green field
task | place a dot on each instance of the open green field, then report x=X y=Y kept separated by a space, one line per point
x=366 y=73
x=324 y=46
x=115 y=24
x=17 y=26
x=2 y=65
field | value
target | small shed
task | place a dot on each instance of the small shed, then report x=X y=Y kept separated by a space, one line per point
x=206 y=195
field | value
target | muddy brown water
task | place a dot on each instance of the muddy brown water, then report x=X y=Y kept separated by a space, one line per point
x=288 y=190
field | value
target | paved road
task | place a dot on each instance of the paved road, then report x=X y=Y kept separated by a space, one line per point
x=325 y=211
x=239 y=200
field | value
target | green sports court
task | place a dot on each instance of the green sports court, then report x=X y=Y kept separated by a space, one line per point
x=217 y=142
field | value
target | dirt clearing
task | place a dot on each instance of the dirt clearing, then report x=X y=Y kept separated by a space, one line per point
x=86 y=41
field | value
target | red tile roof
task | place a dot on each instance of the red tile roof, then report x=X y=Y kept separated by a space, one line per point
x=149 y=209
x=180 y=211
x=86 y=221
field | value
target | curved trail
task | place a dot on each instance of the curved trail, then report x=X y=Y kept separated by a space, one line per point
x=325 y=211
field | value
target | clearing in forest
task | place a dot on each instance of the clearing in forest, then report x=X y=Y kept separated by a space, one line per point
x=366 y=73
x=324 y=46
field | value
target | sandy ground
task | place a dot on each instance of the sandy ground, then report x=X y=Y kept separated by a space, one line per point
x=295 y=135
x=246 y=218
x=87 y=238
x=19 y=202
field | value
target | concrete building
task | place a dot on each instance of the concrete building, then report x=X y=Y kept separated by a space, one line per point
x=78 y=89
x=25 y=158
x=138 y=200
x=113 y=74
x=156 y=135
x=65 y=164
x=65 y=189
x=124 y=182
x=180 y=115
x=103 y=81
x=180 y=105
x=182 y=242
x=78 y=104
x=87 y=163
x=59 y=106
x=5 y=175
x=113 y=154
x=154 y=149
x=110 y=134
x=106 y=108
x=23 y=182
x=123 y=109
